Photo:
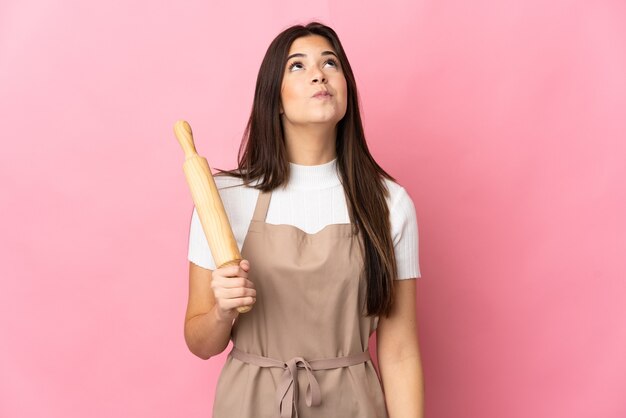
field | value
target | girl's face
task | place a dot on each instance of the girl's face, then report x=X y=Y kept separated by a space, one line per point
x=312 y=66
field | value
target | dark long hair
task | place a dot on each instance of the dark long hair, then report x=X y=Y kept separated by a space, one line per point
x=263 y=157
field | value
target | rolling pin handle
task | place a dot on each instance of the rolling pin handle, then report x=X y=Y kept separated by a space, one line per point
x=182 y=129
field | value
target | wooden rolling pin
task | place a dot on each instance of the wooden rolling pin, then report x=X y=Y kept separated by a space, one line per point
x=208 y=202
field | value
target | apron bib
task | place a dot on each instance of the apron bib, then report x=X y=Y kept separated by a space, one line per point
x=302 y=351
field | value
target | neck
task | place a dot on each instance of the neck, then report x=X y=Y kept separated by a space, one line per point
x=311 y=144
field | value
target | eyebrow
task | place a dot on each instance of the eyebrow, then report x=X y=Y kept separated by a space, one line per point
x=299 y=54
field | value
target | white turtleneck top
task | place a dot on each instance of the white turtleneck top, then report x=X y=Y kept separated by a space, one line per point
x=312 y=199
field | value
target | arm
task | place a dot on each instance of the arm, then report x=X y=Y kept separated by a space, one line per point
x=398 y=355
x=214 y=296
x=205 y=334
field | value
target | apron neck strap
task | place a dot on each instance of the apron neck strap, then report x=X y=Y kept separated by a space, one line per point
x=262 y=204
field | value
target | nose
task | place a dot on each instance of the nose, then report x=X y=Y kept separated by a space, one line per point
x=318 y=77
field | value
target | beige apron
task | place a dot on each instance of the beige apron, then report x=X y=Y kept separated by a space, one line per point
x=302 y=351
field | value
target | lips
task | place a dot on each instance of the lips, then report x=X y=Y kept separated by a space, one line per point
x=322 y=93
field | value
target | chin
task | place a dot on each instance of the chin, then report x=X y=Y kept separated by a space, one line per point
x=331 y=122
x=316 y=119
x=332 y=118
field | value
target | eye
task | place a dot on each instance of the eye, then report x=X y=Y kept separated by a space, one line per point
x=293 y=64
x=333 y=61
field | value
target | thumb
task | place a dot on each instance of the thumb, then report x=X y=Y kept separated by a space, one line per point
x=245 y=264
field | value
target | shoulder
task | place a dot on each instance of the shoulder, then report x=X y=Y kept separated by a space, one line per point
x=226 y=184
x=398 y=198
x=236 y=196
x=226 y=180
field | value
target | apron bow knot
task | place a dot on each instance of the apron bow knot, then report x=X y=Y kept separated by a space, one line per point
x=287 y=390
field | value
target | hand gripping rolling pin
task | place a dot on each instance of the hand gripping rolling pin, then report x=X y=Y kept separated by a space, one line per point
x=208 y=202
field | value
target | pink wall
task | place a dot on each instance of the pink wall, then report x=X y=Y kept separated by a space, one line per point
x=504 y=120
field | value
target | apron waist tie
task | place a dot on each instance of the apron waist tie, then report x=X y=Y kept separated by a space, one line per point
x=287 y=390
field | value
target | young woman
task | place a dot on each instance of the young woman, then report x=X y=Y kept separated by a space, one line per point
x=328 y=239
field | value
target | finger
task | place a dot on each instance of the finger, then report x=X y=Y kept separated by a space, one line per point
x=231 y=271
x=230 y=282
x=239 y=292
x=224 y=295
x=227 y=304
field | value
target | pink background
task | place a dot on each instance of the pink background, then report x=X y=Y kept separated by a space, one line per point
x=504 y=120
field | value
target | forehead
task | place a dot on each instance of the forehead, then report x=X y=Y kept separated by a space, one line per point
x=310 y=44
